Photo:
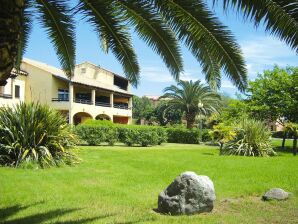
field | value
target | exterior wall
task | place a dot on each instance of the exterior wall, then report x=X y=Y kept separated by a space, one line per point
x=9 y=89
x=93 y=72
x=41 y=85
x=58 y=84
x=38 y=84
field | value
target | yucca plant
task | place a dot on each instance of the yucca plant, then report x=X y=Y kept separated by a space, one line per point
x=34 y=133
x=252 y=139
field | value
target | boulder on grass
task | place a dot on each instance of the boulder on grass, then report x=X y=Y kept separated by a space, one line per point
x=275 y=194
x=187 y=194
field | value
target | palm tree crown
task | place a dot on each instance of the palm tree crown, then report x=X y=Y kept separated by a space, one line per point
x=160 y=23
x=192 y=98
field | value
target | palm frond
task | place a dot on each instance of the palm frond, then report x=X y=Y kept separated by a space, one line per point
x=54 y=17
x=109 y=23
x=279 y=16
x=25 y=32
x=201 y=30
x=151 y=28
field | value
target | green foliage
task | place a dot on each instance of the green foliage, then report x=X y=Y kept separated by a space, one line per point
x=187 y=136
x=142 y=108
x=252 y=138
x=167 y=116
x=161 y=24
x=222 y=133
x=97 y=132
x=278 y=16
x=274 y=95
x=192 y=98
x=32 y=133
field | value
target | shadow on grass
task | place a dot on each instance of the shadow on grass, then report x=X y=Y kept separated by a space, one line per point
x=7 y=212
x=287 y=149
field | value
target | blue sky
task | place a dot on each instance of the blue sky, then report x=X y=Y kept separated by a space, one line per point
x=261 y=51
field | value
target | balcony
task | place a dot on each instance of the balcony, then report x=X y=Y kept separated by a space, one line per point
x=5 y=96
x=83 y=101
x=122 y=106
x=60 y=99
x=102 y=104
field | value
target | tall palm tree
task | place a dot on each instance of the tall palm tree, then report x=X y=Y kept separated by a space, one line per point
x=192 y=98
x=160 y=23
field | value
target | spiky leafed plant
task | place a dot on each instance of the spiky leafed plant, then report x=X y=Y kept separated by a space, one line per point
x=252 y=138
x=34 y=133
x=192 y=98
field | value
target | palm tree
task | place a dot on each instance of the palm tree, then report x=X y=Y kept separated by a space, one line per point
x=160 y=23
x=193 y=98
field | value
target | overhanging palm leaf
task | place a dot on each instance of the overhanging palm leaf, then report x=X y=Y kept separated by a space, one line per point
x=198 y=27
x=151 y=28
x=59 y=24
x=279 y=16
x=25 y=32
x=108 y=22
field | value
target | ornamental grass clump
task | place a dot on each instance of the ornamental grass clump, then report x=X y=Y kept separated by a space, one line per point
x=252 y=138
x=32 y=133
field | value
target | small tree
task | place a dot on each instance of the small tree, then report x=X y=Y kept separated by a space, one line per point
x=192 y=98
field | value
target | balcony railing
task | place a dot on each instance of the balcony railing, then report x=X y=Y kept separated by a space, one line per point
x=60 y=99
x=83 y=101
x=121 y=106
x=5 y=96
x=90 y=102
x=102 y=104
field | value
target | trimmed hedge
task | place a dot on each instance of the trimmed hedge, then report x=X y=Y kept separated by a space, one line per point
x=97 y=132
x=187 y=136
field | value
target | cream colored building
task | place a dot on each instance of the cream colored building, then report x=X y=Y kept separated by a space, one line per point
x=92 y=93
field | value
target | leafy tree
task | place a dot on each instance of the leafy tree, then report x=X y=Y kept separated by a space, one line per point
x=167 y=116
x=160 y=23
x=274 y=95
x=192 y=98
x=142 y=108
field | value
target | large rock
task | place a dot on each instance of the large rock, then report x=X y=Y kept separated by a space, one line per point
x=187 y=194
x=275 y=194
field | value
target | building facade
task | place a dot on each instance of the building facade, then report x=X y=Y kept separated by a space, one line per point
x=92 y=93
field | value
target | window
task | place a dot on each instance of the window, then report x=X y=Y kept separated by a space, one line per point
x=17 y=91
x=83 y=70
x=63 y=94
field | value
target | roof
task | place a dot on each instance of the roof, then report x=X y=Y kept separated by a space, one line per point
x=59 y=73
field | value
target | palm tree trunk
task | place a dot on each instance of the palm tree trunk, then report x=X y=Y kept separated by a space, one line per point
x=11 y=12
x=190 y=119
x=295 y=145
x=284 y=140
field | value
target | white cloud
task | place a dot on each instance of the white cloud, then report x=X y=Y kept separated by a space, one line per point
x=263 y=52
x=162 y=75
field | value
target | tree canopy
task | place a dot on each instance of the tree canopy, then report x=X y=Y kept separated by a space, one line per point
x=274 y=95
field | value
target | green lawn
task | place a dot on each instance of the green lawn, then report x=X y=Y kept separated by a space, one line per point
x=121 y=185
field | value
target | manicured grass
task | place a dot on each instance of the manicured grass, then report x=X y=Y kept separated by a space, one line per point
x=121 y=185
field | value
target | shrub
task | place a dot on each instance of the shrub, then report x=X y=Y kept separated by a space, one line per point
x=95 y=133
x=187 y=136
x=90 y=134
x=222 y=134
x=183 y=135
x=277 y=134
x=252 y=138
x=32 y=133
